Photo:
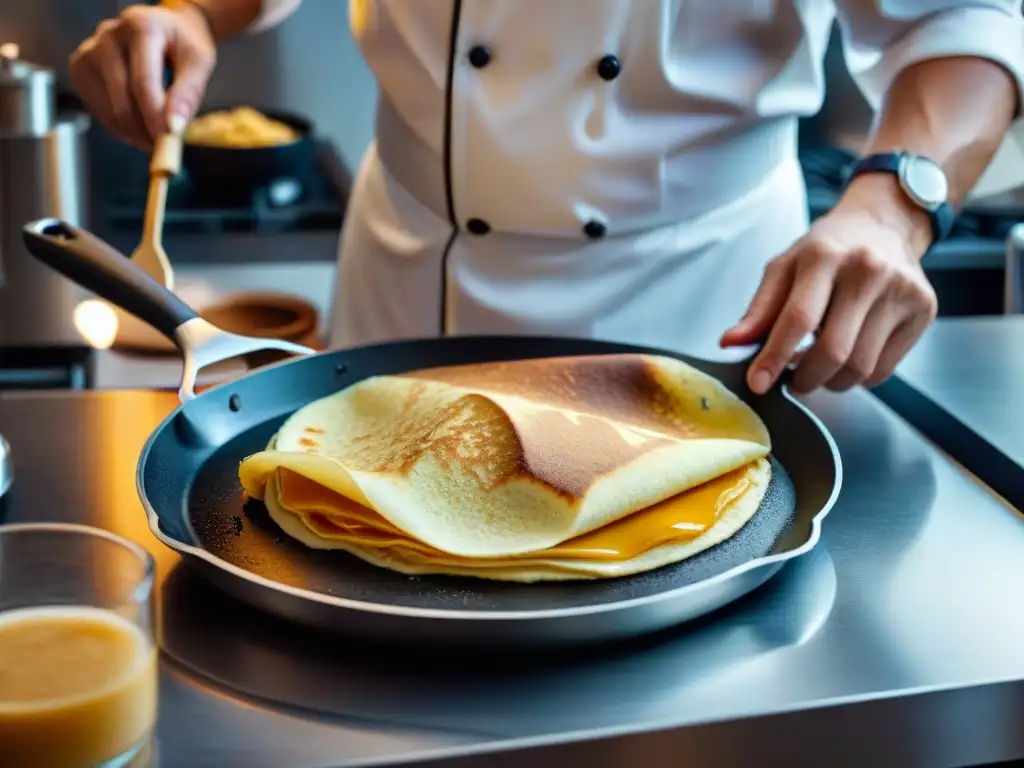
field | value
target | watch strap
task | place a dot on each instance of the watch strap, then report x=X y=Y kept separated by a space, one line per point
x=888 y=162
x=941 y=217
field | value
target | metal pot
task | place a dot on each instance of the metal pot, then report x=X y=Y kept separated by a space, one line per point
x=42 y=173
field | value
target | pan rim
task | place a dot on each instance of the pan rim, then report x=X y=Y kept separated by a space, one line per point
x=411 y=612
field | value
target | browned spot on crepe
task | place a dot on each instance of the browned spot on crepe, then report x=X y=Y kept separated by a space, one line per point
x=480 y=437
x=625 y=388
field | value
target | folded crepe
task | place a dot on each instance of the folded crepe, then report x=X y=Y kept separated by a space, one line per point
x=559 y=468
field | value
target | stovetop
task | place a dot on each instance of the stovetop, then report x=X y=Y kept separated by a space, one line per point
x=826 y=169
x=313 y=201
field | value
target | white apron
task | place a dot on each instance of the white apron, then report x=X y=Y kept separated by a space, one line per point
x=622 y=173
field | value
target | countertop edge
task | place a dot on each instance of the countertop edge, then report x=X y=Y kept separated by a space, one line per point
x=836 y=728
x=965 y=445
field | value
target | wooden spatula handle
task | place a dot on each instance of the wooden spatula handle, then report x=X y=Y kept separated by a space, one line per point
x=166 y=159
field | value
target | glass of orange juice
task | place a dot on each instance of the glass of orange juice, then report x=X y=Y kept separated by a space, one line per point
x=78 y=663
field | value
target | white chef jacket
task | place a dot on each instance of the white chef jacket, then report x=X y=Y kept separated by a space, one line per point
x=614 y=169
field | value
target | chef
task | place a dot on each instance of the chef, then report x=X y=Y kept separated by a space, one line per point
x=626 y=169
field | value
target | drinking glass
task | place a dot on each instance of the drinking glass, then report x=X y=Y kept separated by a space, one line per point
x=78 y=663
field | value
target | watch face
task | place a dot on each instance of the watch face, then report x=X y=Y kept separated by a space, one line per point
x=924 y=181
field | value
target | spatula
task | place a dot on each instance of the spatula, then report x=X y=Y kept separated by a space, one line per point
x=163 y=166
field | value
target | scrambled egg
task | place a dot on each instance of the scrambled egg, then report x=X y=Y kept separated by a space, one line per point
x=241 y=128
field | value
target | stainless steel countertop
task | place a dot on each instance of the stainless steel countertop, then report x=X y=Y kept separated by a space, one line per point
x=961 y=387
x=896 y=643
x=973 y=367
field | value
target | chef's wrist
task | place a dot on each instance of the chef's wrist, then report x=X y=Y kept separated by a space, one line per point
x=223 y=18
x=879 y=196
x=196 y=14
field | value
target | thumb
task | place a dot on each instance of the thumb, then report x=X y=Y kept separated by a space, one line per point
x=191 y=76
x=764 y=307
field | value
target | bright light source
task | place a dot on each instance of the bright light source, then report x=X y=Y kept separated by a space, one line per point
x=96 y=322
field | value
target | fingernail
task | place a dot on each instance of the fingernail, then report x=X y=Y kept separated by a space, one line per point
x=177 y=123
x=760 y=381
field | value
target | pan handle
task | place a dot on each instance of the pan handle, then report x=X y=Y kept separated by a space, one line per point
x=786 y=376
x=94 y=265
x=97 y=267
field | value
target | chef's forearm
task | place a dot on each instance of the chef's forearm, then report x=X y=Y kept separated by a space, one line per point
x=955 y=111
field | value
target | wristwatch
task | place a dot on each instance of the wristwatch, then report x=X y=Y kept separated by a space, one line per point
x=922 y=181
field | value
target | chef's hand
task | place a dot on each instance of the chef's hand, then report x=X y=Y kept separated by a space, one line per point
x=856 y=281
x=119 y=71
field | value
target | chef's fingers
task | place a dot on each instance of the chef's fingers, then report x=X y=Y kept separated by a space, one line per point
x=859 y=284
x=110 y=61
x=765 y=306
x=90 y=86
x=879 y=325
x=900 y=342
x=801 y=315
x=146 y=42
x=192 y=67
x=84 y=68
x=912 y=307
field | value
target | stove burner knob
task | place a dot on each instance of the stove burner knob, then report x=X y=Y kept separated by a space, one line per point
x=284 y=192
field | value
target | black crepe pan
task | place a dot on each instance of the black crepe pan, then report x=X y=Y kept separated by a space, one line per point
x=188 y=483
x=235 y=168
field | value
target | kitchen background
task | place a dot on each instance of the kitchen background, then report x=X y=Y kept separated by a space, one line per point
x=284 y=238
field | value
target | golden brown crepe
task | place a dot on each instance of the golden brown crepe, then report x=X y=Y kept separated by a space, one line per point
x=541 y=469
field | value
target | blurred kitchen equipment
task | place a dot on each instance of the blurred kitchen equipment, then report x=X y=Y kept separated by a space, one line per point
x=207 y=226
x=1014 y=283
x=264 y=315
x=42 y=164
x=42 y=173
x=164 y=166
x=6 y=468
x=243 y=169
x=27 y=102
